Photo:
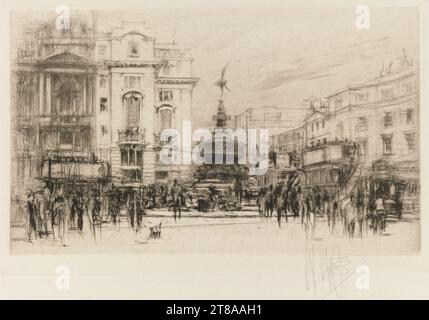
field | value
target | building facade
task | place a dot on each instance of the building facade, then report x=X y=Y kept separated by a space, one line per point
x=144 y=87
x=83 y=95
x=316 y=123
x=361 y=126
x=265 y=117
x=381 y=115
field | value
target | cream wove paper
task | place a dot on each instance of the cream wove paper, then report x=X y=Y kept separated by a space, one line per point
x=222 y=139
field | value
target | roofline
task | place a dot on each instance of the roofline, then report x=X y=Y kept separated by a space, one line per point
x=377 y=81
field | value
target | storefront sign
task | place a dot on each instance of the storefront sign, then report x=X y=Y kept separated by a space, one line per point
x=315 y=156
x=75 y=170
x=327 y=153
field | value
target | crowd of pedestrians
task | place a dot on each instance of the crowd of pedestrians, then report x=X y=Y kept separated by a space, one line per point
x=353 y=214
x=52 y=211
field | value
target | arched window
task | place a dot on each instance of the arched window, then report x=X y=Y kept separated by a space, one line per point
x=166 y=118
x=68 y=98
x=132 y=102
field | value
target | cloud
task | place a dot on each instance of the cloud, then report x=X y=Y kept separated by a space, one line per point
x=300 y=72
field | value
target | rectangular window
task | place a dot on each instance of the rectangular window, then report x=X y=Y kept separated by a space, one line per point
x=387 y=145
x=168 y=95
x=411 y=141
x=132 y=82
x=338 y=103
x=133 y=112
x=387 y=93
x=102 y=52
x=165 y=95
x=139 y=157
x=66 y=140
x=410 y=116
x=161 y=175
x=124 y=157
x=388 y=119
x=412 y=189
x=48 y=140
x=103 y=104
x=133 y=49
x=104 y=130
x=362 y=124
x=131 y=156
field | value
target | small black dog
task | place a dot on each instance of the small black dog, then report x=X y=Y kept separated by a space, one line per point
x=155 y=232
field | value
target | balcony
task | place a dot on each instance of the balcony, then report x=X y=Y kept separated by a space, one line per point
x=132 y=136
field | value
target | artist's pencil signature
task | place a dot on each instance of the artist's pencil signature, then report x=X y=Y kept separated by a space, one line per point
x=325 y=270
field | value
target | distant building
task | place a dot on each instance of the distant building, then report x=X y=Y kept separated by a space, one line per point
x=372 y=126
x=375 y=122
x=381 y=114
x=291 y=141
x=266 y=117
x=316 y=123
x=286 y=150
x=90 y=95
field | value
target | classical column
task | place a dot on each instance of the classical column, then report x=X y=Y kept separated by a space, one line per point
x=91 y=104
x=41 y=93
x=84 y=105
x=91 y=95
x=48 y=94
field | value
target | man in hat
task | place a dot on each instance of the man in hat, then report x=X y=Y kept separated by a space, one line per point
x=176 y=195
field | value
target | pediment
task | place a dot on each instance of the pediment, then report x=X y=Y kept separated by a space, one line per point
x=65 y=59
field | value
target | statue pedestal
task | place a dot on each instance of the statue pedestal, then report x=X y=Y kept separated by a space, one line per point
x=221 y=175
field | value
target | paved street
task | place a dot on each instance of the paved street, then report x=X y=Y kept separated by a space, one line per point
x=214 y=232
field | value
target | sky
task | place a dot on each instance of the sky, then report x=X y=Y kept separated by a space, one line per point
x=280 y=56
x=277 y=57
